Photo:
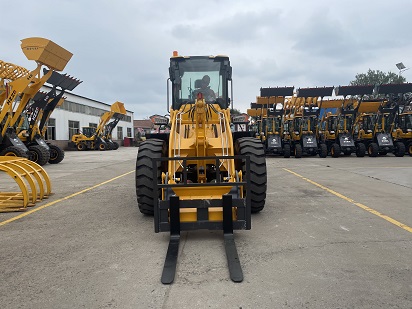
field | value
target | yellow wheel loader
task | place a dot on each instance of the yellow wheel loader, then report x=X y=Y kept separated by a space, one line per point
x=358 y=118
x=269 y=111
x=23 y=84
x=32 y=125
x=198 y=176
x=94 y=138
x=395 y=118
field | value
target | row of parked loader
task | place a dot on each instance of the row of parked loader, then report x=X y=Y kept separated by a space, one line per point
x=25 y=109
x=301 y=122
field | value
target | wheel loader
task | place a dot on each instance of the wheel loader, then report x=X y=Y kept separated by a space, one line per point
x=19 y=83
x=303 y=121
x=375 y=122
x=198 y=176
x=397 y=116
x=99 y=138
x=269 y=112
x=32 y=124
x=357 y=116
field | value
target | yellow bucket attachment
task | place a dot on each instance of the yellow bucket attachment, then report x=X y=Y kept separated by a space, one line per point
x=31 y=178
x=46 y=52
x=369 y=107
x=118 y=107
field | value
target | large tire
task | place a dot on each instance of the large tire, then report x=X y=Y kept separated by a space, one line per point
x=115 y=145
x=410 y=149
x=253 y=148
x=286 y=151
x=298 y=151
x=323 y=150
x=81 y=146
x=400 y=149
x=56 y=154
x=373 y=150
x=335 y=150
x=39 y=154
x=152 y=148
x=360 y=150
x=110 y=145
x=14 y=151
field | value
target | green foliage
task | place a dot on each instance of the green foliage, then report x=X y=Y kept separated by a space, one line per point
x=235 y=111
x=373 y=77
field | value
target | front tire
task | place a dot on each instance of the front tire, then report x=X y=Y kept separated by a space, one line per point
x=253 y=148
x=360 y=150
x=298 y=151
x=400 y=149
x=335 y=150
x=152 y=148
x=373 y=150
x=323 y=153
x=39 y=154
x=56 y=154
x=13 y=151
x=286 y=151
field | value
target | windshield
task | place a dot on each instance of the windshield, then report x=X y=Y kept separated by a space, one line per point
x=405 y=122
x=332 y=124
x=367 y=123
x=194 y=75
x=267 y=125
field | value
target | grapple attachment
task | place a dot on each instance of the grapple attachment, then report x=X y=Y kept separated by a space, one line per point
x=32 y=180
x=12 y=71
x=46 y=52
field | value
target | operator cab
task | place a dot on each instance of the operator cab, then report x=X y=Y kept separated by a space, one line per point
x=206 y=75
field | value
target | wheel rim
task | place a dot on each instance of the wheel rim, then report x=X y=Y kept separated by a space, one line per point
x=101 y=146
x=10 y=154
x=53 y=154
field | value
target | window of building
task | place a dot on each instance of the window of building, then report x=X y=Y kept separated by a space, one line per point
x=129 y=132
x=51 y=129
x=74 y=127
x=119 y=133
x=92 y=125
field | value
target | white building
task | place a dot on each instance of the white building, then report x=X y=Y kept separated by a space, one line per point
x=77 y=112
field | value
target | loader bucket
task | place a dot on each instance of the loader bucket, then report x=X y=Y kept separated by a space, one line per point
x=270 y=100
x=369 y=107
x=276 y=92
x=314 y=92
x=32 y=180
x=333 y=103
x=46 y=52
x=118 y=107
x=354 y=90
x=394 y=88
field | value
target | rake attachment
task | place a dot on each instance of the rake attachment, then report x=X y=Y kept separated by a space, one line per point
x=31 y=178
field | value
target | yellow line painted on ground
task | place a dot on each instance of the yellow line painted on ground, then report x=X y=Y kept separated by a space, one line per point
x=60 y=200
x=364 y=207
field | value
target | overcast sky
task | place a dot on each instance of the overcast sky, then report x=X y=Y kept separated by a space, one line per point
x=121 y=49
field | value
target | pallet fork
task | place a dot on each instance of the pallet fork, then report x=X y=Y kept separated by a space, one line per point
x=167 y=215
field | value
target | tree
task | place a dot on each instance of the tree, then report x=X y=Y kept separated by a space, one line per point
x=373 y=77
x=235 y=111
